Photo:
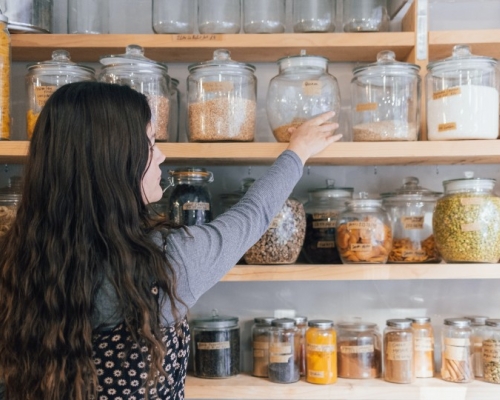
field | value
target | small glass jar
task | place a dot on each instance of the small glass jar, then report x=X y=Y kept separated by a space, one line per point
x=222 y=101
x=160 y=208
x=398 y=351
x=478 y=335
x=385 y=100
x=283 y=240
x=10 y=197
x=423 y=350
x=88 y=16
x=190 y=202
x=264 y=16
x=410 y=209
x=321 y=352
x=284 y=344
x=313 y=16
x=145 y=76
x=302 y=89
x=359 y=350
x=364 y=233
x=462 y=97
x=466 y=221
x=219 y=16
x=322 y=210
x=174 y=111
x=260 y=345
x=301 y=324
x=216 y=347
x=491 y=351
x=456 y=359
x=365 y=16
x=174 y=16
x=5 y=62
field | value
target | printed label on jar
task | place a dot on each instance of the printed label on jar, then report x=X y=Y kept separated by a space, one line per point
x=446 y=93
x=312 y=88
x=218 y=86
x=279 y=359
x=366 y=107
x=450 y=126
x=42 y=94
x=424 y=344
x=491 y=351
x=473 y=227
x=280 y=349
x=326 y=245
x=193 y=206
x=457 y=353
x=326 y=215
x=362 y=225
x=361 y=247
x=213 y=345
x=315 y=374
x=197 y=37
x=399 y=351
x=357 y=349
x=472 y=201
x=261 y=345
x=321 y=348
x=413 y=222
x=259 y=353
x=324 y=224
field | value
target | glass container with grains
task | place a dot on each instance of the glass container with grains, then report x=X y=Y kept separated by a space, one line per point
x=398 y=351
x=456 y=359
x=284 y=344
x=478 y=335
x=321 y=352
x=491 y=351
x=423 y=346
x=260 y=345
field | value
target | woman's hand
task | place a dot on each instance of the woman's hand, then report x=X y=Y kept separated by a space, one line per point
x=313 y=136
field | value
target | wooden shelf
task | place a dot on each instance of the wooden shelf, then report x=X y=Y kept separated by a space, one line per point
x=482 y=42
x=247 y=387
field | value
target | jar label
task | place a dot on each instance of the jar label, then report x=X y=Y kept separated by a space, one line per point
x=279 y=359
x=259 y=353
x=324 y=224
x=312 y=88
x=413 y=222
x=424 y=344
x=357 y=349
x=42 y=94
x=213 y=345
x=197 y=37
x=326 y=245
x=450 y=126
x=473 y=227
x=321 y=348
x=457 y=342
x=362 y=225
x=361 y=247
x=326 y=215
x=400 y=351
x=446 y=93
x=457 y=353
x=278 y=348
x=491 y=351
x=261 y=345
x=472 y=201
x=225 y=86
x=366 y=107
x=413 y=253
x=195 y=205
x=315 y=374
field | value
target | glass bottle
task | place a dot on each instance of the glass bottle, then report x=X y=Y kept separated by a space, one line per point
x=321 y=352
x=5 y=62
x=491 y=351
x=174 y=16
x=456 y=359
x=398 y=351
x=88 y=16
x=478 y=335
x=219 y=16
x=365 y=16
x=283 y=351
x=313 y=16
x=301 y=324
x=264 y=16
x=423 y=349
x=260 y=345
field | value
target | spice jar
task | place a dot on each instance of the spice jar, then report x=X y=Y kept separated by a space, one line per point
x=365 y=16
x=260 y=345
x=491 y=351
x=264 y=16
x=10 y=197
x=190 y=201
x=359 y=350
x=363 y=232
x=216 y=347
x=221 y=100
x=385 y=100
x=398 y=351
x=5 y=58
x=174 y=110
x=283 y=240
x=466 y=221
x=301 y=324
x=322 y=210
x=284 y=343
x=478 y=335
x=174 y=16
x=423 y=346
x=219 y=16
x=43 y=78
x=456 y=360
x=145 y=76
x=313 y=16
x=321 y=352
x=410 y=209
x=462 y=97
x=302 y=89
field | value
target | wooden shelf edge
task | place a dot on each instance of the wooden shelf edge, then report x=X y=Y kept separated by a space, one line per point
x=482 y=42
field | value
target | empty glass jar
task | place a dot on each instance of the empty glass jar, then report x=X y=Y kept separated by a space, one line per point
x=365 y=16
x=88 y=16
x=313 y=16
x=264 y=16
x=174 y=16
x=219 y=16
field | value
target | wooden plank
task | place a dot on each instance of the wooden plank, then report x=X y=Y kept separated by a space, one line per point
x=13 y=152
x=482 y=42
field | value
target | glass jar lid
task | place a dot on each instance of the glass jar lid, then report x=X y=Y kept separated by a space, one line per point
x=134 y=54
x=263 y=320
x=286 y=323
x=493 y=322
x=457 y=322
x=357 y=326
x=3 y=17
x=364 y=199
x=411 y=190
x=192 y=174
x=321 y=323
x=302 y=60
x=331 y=191
x=60 y=63
x=216 y=322
x=399 y=323
x=420 y=320
x=222 y=60
x=300 y=320
x=175 y=82
x=462 y=58
x=476 y=320
x=469 y=183
x=386 y=65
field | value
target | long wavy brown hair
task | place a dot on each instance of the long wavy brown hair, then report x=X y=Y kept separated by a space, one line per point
x=81 y=219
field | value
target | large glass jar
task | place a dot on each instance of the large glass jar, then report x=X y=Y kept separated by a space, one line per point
x=261 y=331
x=456 y=359
x=410 y=209
x=28 y=16
x=313 y=16
x=385 y=100
x=88 y=16
x=321 y=352
x=174 y=111
x=466 y=221
x=478 y=335
x=174 y=16
x=5 y=58
x=147 y=77
x=423 y=349
x=398 y=351
x=10 y=197
x=264 y=16
x=283 y=240
x=363 y=232
x=462 y=97
x=302 y=89
x=219 y=16
x=221 y=100
x=190 y=201
x=491 y=351
x=365 y=16
x=43 y=78
x=284 y=344
x=322 y=210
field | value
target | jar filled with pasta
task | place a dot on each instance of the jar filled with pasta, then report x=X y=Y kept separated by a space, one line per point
x=5 y=57
x=456 y=359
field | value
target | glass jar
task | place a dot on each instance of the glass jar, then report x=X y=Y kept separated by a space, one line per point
x=174 y=16
x=462 y=97
x=423 y=349
x=219 y=16
x=491 y=351
x=321 y=352
x=222 y=101
x=190 y=201
x=313 y=16
x=359 y=350
x=216 y=346
x=284 y=343
x=456 y=359
x=10 y=197
x=466 y=221
x=301 y=324
x=302 y=89
x=478 y=335
x=385 y=100
x=5 y=61
x=410 y=209
x=365 y=16
x=43 y=78
x=264 y=16
x=28 y=16
x=88 y=16
x=363 y=232
x=283 y=240
x=145 y=76
x=260 y=345
x=322 y=210
x=174 y=111
x=398 y=351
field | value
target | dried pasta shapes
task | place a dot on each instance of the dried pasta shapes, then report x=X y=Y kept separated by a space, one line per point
x=4 y=82
x=408 y=251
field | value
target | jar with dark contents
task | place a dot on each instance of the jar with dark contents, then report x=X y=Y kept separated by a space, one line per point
x=284 y=343
x=190 y=201
x=322 y=210
x=260 y=345
x=216 y=347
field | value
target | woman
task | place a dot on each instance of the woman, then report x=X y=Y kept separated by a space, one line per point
x=94 y=292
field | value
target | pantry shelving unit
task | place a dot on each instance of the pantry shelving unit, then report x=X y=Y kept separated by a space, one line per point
x=338 y=47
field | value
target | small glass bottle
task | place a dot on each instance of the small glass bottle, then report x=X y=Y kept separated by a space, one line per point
x=456 y=359
x=264 y=16
x=283 y=351
x=301 y=323
x=398 y=351
x=491 y=351
x=260 y=345
x=219 y=16
x=321 y=352
x=313 y=16
x=423 y=349
x=478 y=328
x=365 y=16
x=174 y=16
x=88 y=16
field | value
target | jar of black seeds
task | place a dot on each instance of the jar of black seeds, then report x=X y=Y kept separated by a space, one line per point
x=284 y=351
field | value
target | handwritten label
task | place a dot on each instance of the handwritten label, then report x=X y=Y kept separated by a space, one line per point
x=456 y=353
x=195 y=37
x=324 y=224
x=326 y=215
x=357 y=349
x=218 y=86
x=473 y=227
x=414 y=253
x=491 y=351
x=446 y=93
x=413 y=222
x=315 y=374
x=361 y=225
x=472 y=201
x=42 y=94
x=424 y=344
x=361 y=247
x=213 y=345
x=366 y=107
x=281 y=349
x=196 y=206
x=399 y=351
x=321 y=348
x=312 y=88
x=326 y=245
x=450 y=126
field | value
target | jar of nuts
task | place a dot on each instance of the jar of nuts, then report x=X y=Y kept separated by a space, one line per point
x=410 y=209
x=364 y=233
